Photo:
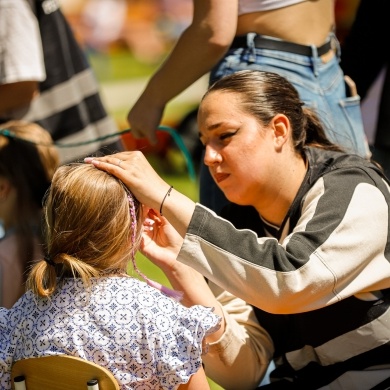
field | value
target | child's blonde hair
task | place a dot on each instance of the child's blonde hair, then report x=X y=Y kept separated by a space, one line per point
x=93 y=228
x=89 y=228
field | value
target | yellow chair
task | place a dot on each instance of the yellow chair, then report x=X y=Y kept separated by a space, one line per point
x=61 y=372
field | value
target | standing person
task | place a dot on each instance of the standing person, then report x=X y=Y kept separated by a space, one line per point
x=81 y=302
x=27 y=165
x=363 y=58
x=305 y=239
x=293 y=38
x=45 y=78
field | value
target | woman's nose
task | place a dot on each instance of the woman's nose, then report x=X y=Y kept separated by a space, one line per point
x=211 y=156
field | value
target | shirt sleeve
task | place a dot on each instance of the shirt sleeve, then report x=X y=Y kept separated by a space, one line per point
x=5 y=358
x=21 y=54
x=337 y=249
x=183 y=343
x=240 y=358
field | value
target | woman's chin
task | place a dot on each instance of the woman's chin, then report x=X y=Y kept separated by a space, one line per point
x=235 y=198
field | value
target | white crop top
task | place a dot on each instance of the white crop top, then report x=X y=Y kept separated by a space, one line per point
x=248 y=6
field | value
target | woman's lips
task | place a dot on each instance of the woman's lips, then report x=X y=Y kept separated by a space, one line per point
x=219 y=177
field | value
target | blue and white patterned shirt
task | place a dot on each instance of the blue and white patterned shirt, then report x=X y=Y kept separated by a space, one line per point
x=146 y=339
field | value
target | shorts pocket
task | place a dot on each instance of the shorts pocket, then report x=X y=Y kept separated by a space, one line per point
x=351 y=109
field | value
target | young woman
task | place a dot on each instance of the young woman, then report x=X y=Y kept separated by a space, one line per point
x=27 y=164
x=81 y=301
x=307 y=243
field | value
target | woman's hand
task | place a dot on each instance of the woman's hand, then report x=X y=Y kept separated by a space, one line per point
x=144 y=119
x=134 y=170
x=160 y=243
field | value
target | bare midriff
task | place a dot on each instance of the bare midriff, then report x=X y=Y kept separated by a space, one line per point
x=306 y=23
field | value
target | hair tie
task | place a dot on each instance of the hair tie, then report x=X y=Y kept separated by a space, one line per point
x=49 y=260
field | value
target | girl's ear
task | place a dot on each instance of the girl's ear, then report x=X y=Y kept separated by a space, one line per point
x=282 y=129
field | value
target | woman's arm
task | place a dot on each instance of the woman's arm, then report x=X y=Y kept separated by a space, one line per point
x=240 y=358
x=17 y=95
x=239 y=352
x=198 y=49
x=161 y=244
x=337 y=249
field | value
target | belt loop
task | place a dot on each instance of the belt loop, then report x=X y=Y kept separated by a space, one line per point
x=335 y=44
x=250 y=41
x=314 y=54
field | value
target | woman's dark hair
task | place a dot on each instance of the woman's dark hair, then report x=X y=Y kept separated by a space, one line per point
x=266 y=94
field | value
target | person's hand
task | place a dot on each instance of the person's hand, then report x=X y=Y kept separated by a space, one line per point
x=134 y=170
x=144 y=119
x=160 y=243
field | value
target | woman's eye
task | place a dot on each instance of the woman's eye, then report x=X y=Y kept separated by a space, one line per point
x=225 y=136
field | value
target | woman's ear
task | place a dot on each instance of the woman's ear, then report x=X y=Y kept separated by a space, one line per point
x=282 y=129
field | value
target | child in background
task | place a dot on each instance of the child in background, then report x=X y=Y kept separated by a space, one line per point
x=27 y=164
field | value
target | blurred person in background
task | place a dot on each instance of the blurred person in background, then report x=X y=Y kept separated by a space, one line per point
x=45 y=78
x=364 y=57
x=103 y=22
x=26 y=170
x=294 y=38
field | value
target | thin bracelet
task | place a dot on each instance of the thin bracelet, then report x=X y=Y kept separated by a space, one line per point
x=167 y=194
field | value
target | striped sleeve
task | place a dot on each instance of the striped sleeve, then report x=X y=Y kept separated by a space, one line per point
x=336 y=250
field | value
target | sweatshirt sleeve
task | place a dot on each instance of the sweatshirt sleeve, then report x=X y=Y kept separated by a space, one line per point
x=337 y=249
x=240 y=358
